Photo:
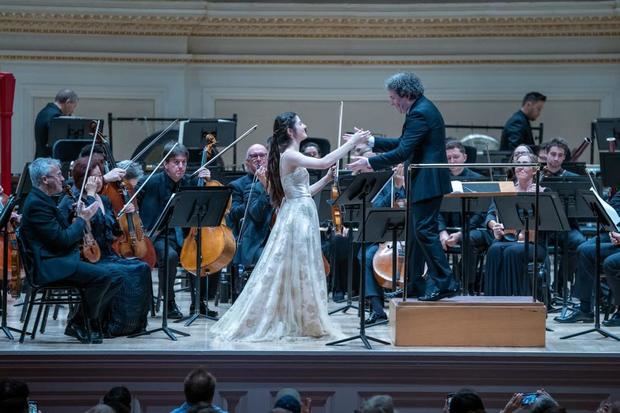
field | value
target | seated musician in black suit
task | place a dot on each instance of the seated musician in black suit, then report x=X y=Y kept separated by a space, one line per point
x=251 y=211
x=556 y=153
x=480 y=240
x=152 y=200
x=374 y=292
x=585 y=274
x=55 y=248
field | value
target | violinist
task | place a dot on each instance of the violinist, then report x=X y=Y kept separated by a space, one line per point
x=504 y=269
x=54 y=245
x=395 y=189
x=556 y=152
x=115 y=174
x=251 y=211
x=127 y=313
x=152 y=201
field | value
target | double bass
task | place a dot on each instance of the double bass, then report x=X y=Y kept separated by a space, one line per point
x=217 y=243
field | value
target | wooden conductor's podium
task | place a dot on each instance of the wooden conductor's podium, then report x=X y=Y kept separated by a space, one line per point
x=468 y=321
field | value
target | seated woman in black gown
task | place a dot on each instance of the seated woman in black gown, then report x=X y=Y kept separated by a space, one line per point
x=504 y=270
x=127 y=313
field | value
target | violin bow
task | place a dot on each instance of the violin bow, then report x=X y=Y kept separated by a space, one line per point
x=90 y=158
x=137 y=191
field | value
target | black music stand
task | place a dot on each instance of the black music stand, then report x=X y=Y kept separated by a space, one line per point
x=208 y=206
x=518 y=211
x=349 y=221
x=364 y=187
x=610 y=167
x=603 y=222
x=189 y=207
x=388 y=224
x=5 y=217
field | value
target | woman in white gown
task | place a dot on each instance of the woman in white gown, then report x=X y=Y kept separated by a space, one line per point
x=286 y=295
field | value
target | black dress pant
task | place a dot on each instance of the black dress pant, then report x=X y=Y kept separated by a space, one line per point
x=427 y=248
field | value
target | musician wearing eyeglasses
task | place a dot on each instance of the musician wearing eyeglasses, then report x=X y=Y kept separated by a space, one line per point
x=251 y=211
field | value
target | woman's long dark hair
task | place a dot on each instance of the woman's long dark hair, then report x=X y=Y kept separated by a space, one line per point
x=278 y=142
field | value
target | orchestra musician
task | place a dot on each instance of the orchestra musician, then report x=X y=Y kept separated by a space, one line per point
x=504 y=270
x=336 y=246
x=479 y=239
x=517 y=130
x=422 y=141
x=252 y=233
x=128 y=309
x=54 y=246
x=64 y=104
x=556 y=153
x=152 y=201
x=394 y=190
x=585 y=274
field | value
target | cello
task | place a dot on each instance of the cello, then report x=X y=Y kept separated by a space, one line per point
x=13 y=261
x=220 y=249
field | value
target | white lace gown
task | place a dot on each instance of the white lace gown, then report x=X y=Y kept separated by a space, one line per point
x=286 y=295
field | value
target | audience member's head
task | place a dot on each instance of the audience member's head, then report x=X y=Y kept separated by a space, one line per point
x=203 y=407
x=199 y=386
x=378 y=404
x=118 y=398
x=288 y=400
x=13 y=396
x=101 y=408
x=465 y=401
x=609 y=406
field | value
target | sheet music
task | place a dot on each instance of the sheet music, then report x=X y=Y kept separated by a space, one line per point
x=611 y=212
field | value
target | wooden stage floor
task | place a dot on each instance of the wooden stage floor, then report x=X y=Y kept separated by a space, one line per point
x=66 y=376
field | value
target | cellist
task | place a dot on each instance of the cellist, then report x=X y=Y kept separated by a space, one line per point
x=152 y=201
x=394 y=190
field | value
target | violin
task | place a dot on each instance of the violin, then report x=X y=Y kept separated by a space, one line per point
x=14 y=263
x=217 y=243
x=133 y=242
x=335 y=191
x=89 y=249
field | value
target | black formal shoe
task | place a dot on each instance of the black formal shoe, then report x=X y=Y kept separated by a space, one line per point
x=96 y=337
x=614 y=320
x=78 y=332
x=576 y=317
x=393 y=294
x=436 y=295
x=173 y=311
x=375 y=318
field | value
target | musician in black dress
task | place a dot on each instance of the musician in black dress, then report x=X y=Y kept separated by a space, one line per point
x=127 y=312
x=504 y=270
x=152 y=200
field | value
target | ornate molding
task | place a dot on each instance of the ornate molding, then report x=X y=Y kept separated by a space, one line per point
x=307 y=61
x=203 y=25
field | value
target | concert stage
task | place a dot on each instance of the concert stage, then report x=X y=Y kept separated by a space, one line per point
x=65 y=376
